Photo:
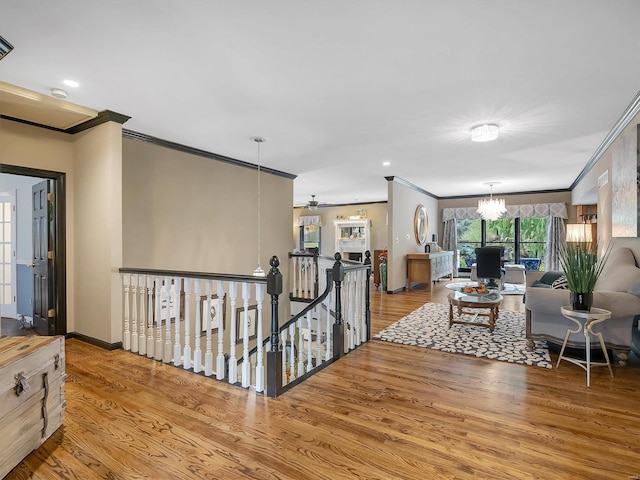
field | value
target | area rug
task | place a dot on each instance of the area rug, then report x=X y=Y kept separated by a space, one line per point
x=428 y=327
x=507 y=288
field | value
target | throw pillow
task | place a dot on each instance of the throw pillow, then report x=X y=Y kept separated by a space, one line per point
x=560 y=283
x=550 y=277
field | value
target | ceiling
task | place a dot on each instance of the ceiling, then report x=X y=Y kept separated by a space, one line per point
x=339 y=87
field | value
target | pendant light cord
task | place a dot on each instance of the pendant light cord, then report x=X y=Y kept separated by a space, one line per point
x=259 y=142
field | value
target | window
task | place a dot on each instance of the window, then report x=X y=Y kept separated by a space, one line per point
x=524 y=240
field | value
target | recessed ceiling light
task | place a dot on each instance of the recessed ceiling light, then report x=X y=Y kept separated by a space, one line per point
x=71 y=83
x=386 y=164
x=484 y=133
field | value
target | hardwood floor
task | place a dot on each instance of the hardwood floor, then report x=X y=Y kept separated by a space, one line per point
x=385 y=411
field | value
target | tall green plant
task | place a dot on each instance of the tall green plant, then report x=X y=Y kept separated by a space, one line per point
x=581 y=265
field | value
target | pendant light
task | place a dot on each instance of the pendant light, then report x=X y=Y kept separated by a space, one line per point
x=259 y=272
x=491 y=208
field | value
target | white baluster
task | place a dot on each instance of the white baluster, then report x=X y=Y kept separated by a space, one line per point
x=150 y=332
x=126 y=336
x=187 y=324
x=177 y=346
x=294 y=276
x=307 y=282
x=134 y=313
x=310 y=341
x=327 y=302
x=208 y=356
x=246 y=366
x=159 y=299
x=292 y=344
x=197 y=353
x=171 y=291
x=260 y=336
x=286 y=358
x=319 y=335
x=142 y=290
x=233 y=362
x=220 y=367
x=300 y=347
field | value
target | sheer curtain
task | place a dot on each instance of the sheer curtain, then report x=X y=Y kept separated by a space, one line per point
x=556 y=233
x=450 y=241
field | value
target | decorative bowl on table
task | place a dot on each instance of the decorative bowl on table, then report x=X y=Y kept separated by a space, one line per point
x=479 y=290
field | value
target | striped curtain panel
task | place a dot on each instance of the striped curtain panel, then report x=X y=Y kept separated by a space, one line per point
x=450 y=241
x=556 y=233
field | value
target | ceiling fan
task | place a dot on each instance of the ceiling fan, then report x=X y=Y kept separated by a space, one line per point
x=312 y=205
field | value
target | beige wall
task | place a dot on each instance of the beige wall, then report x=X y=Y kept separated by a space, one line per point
x=98 y=232
x=186 y=212
x=403 y=201
x=39 y=148
x=376 y=212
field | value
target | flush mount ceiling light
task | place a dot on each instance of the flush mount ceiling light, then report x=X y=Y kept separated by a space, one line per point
x=5 y=47
x=58 y=93
x=491 y=208
x=485 y=132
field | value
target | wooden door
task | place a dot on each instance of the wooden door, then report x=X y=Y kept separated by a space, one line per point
x=44 y=314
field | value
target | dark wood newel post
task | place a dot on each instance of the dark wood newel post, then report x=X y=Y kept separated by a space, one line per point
x=338 y=327
x=274 y=355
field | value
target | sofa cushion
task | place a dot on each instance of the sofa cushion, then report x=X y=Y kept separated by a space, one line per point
x=560 y=283
x=620 y=273
x=539 y=284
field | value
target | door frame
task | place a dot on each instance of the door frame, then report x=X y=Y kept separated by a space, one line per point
x=60 y=249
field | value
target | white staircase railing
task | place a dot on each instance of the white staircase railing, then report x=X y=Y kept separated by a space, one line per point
x=217 y=325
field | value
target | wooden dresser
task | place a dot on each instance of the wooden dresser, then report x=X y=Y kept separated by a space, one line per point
x=32 y=376
x=429 y=267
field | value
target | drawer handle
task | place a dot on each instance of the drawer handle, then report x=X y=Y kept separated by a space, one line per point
x=21 y=384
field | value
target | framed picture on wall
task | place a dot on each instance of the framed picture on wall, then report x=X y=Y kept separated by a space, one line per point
x=252 y=316
x=216 y=307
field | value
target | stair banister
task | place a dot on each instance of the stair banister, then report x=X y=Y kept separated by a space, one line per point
x=338 y=327
x=274 y=356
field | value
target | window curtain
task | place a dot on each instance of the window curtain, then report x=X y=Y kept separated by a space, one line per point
x=513 y=211
x=556 y=233
x=310 y=220
x=450 y=241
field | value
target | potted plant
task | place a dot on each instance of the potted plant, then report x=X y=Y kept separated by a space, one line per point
x=582 y=268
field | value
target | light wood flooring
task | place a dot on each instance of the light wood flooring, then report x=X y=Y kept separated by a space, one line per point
x=385 y=411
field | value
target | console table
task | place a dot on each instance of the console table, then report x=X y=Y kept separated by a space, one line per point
x=429 y=267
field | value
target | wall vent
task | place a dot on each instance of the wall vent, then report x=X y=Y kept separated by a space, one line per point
x=603 y=179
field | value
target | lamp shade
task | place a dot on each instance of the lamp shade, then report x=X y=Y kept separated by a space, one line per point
x=579 y=232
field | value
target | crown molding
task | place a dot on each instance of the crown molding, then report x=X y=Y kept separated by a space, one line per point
x=201 y=153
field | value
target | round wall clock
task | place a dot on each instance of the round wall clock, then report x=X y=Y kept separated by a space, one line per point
x=421 y=224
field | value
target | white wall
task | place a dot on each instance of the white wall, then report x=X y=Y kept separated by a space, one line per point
x=22 y=184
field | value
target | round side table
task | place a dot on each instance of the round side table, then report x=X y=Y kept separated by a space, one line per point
x=585 y=321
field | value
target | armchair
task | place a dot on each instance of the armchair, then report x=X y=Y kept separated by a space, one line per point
x=489 y=265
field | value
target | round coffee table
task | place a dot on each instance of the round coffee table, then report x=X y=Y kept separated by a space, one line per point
x=490 y=301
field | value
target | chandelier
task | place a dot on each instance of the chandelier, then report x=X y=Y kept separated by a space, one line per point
x=491 y=208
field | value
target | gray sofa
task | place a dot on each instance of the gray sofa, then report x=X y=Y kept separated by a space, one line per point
x=617 y=290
